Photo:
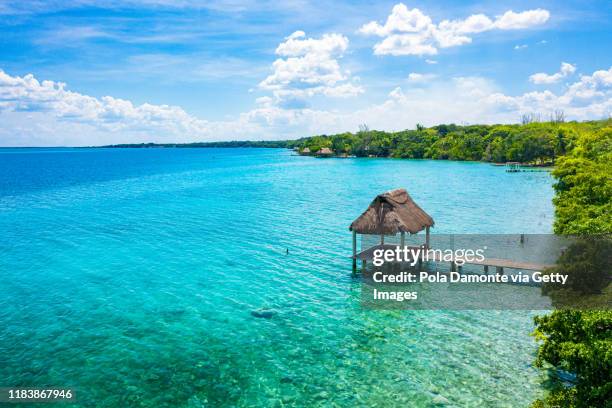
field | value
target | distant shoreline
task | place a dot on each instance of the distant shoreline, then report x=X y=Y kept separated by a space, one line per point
x=532 y=144
x=537 y=144
x=283 y=144
x=258 y=145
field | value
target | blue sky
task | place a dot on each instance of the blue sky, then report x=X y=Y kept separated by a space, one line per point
x=97 y=72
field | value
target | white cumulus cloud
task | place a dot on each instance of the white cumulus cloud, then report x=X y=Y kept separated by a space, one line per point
x=43 y=113
x=543 y=78
x=411 y=32
x=515 y=21
x=28 y=94
x=455 y=100
x=419 y=78
x=309 y=67
x=47 y=113
x=588 y=98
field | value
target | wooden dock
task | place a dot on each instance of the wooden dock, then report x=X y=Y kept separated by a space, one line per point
x=497 y=263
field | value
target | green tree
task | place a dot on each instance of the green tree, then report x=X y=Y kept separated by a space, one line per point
x=580 y=341
x=583 y=201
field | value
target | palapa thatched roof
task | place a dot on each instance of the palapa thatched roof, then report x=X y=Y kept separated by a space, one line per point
x=325 y=150
x=390 y=213
x=306 y=150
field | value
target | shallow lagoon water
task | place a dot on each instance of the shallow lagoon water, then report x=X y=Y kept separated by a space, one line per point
x=131 y=274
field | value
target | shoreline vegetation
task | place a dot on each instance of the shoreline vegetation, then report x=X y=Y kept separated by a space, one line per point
x=274 y=144
x=579 y=342
x=533 y=144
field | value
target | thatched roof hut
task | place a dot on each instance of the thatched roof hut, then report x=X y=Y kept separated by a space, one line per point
x=305 y=150
x=391 y=213
x=326 y=151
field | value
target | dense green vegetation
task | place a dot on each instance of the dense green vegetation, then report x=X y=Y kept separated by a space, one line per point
x=580 y=341
x=528 y=143
x=583 y=203
x=586 y=262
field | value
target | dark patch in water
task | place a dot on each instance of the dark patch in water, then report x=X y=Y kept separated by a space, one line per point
x=263 y=313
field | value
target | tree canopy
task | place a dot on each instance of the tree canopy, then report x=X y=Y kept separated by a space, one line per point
x=580 y=341
x=536 y=142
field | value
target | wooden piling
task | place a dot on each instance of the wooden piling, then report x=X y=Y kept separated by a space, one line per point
x=354 y=251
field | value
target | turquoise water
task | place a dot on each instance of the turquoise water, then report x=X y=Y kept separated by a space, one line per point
x=131 y=275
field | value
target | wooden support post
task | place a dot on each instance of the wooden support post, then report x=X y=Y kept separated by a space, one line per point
x=363 y=265
x=382 y=239
x=402 y=239
x=427 y=237
x=486 y=269
x=499 y=270
x=354 y=251
x=453 y=266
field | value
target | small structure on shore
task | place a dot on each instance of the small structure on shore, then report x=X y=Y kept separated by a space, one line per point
x=390 y=213
x=325 y=152
x=513 y=167
x=305 y=151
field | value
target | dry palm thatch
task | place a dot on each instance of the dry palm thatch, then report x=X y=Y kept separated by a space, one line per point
x=390 y=213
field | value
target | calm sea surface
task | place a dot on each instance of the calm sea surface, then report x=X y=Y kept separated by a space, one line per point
x=131 y=275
